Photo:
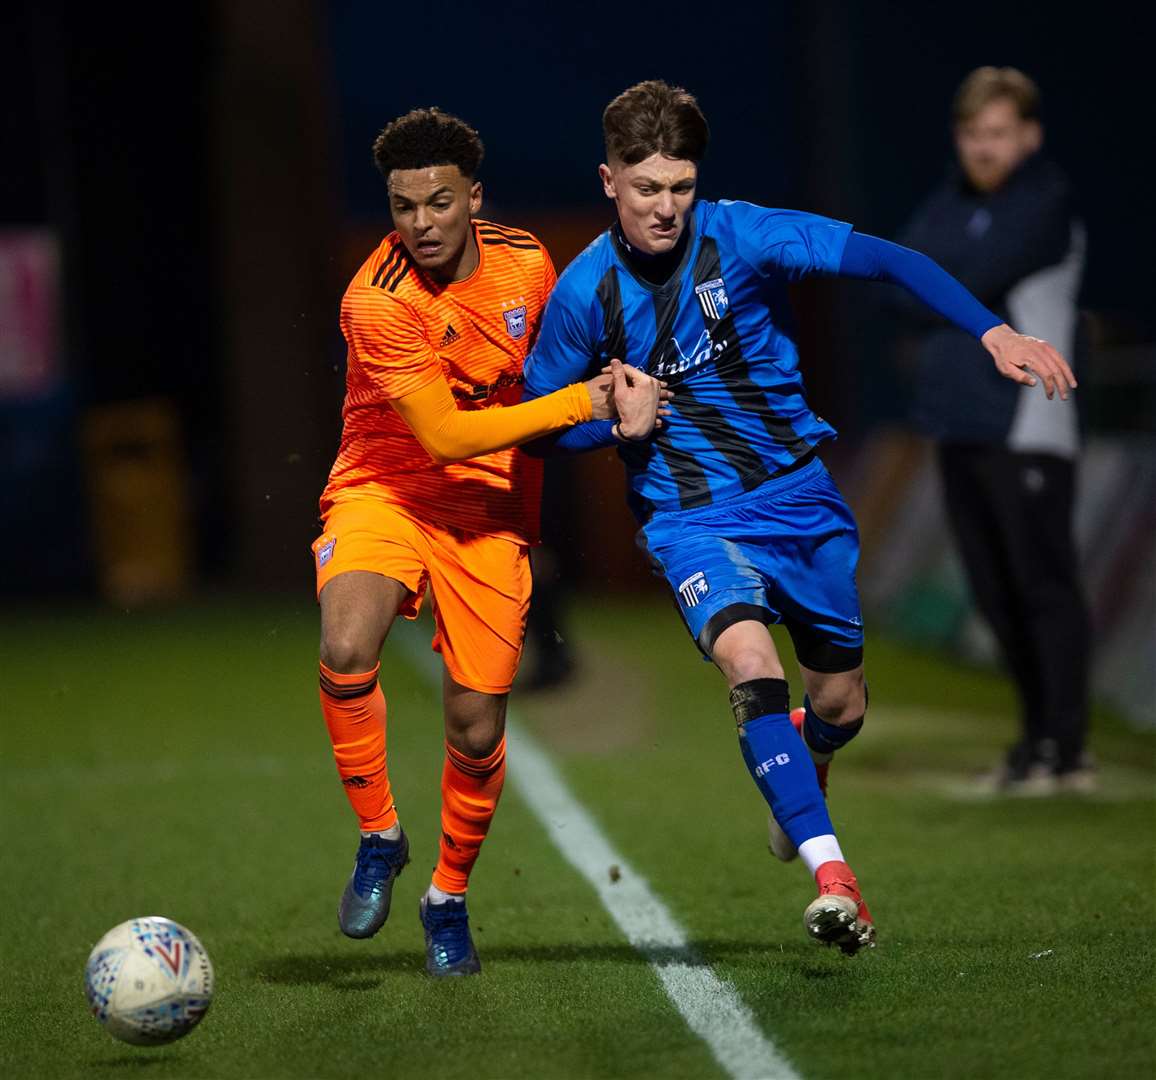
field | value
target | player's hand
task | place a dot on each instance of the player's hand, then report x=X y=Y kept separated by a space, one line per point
x=1025 y=359
x=638 y=398
x=664 y=394
x=601 y=391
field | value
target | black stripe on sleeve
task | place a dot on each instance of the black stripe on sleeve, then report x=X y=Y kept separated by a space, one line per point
x=394 y=278
x=384 y=269
x=491 y=229
x=510 y=243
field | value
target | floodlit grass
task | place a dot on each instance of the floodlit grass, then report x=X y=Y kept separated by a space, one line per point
x=175 y=763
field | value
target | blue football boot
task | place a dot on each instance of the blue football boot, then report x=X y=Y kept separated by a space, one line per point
x=365 y=902
x=449 y=949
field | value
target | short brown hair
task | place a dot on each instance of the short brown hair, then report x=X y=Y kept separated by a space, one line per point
x=988 y=84
x=654 y=118
x=426 y=137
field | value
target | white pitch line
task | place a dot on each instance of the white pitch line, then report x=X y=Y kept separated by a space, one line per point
x=710 y=1006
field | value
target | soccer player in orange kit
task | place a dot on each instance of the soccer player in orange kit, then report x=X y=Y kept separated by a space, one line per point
x=428 y=491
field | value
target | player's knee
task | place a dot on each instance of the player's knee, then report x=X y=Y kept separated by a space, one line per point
x=347 y=653
x=479 y=741
x=840 y=702
x=475 y=722
x=746 y=657
x=743 y=665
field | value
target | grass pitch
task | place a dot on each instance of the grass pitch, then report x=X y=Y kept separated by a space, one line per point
x=175 y=763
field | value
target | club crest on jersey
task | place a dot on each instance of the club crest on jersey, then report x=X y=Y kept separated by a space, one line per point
x=516 y=321
x=694 y=589
x=712 y=298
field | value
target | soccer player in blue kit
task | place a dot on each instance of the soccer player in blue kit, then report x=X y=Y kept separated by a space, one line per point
x=737 y=511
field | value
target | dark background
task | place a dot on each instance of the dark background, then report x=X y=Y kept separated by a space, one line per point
x=205 y=175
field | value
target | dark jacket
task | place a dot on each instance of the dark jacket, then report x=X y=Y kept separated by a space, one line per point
x=991 y=243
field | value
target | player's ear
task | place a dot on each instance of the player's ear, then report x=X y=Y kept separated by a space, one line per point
x=607 y=178
x=475 y=196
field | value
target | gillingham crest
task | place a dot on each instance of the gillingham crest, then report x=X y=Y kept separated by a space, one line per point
x=712 y=298
x=694 y=589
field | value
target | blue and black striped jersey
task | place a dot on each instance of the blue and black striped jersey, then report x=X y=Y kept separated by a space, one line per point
x=718 y=331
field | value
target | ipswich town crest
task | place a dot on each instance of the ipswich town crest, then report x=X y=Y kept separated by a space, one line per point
x=712 y=298
x=515 y=321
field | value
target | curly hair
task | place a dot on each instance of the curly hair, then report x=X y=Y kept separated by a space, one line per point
x=426 y=137
x=654 y=117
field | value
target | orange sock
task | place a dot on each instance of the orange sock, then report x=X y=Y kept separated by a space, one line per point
x=354 y=711
x=471 y=788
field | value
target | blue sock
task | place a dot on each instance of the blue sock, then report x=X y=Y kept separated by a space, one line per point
x=826 y=738
x=778 y=760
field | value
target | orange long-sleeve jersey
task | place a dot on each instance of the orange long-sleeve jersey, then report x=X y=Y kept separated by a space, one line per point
x=408 y=339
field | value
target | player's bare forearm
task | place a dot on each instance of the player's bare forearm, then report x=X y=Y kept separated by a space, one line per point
x=1025 y=359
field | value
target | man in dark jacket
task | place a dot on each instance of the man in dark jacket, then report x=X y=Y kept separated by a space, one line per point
x=1003 y=224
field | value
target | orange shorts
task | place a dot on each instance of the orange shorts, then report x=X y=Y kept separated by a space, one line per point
x=481 y=584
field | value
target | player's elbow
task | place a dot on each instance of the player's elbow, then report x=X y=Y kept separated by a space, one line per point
x=442 y=447
x=445 y=453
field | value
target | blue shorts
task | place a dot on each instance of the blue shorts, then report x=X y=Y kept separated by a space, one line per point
x=784 y=552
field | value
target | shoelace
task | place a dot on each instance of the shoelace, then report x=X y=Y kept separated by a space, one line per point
x=448 y=925
x=374 y=865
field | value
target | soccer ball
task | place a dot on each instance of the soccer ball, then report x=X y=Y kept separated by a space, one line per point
x=149 y=981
